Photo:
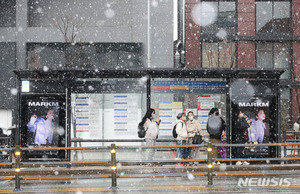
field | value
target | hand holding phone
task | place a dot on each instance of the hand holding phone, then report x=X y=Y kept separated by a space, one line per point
x=158 y=121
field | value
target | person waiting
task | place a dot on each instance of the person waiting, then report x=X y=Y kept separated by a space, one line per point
x=193 y=128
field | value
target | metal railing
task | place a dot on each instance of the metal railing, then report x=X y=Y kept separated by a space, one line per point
x=291 y=137
x=17 y=164
x=4 y=143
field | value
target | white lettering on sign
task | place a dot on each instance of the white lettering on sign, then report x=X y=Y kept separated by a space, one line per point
x=254 y=104
x=43 y=104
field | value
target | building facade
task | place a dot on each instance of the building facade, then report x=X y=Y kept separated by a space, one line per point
x=78 y=34
x=249 y=34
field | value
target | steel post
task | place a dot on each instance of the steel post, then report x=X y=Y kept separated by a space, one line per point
x=284 y=141
x=113 y=167
x=209 y=165
x=17 y=155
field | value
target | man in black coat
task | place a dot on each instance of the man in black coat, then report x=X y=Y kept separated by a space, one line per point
x=215 y=127
x=241 y=135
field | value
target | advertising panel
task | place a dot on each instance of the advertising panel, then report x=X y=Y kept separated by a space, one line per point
x=260 y=128
x=43 y=125
x=254 y=117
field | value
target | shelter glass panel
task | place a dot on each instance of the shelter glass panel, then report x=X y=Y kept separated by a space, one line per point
x=107 y=108
x=170 y=97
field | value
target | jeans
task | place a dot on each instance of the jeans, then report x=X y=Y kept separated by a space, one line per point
x=193 y=152
x=182 y=152
x=150 y=151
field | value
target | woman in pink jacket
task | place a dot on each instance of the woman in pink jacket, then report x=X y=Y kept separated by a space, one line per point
x=193 y=127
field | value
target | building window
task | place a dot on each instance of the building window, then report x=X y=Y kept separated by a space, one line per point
x=219 y=55
x=273 y=17
x=274 y=56
x=98 y=55
x=8 y=13
x=225 y=24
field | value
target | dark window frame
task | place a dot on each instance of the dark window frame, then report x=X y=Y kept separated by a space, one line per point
x=12 y=14
x=205 y=36
x=218 y=46
x=273 y=33
x=133 y=47
x=273 y=56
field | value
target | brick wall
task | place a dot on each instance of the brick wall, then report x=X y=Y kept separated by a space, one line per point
x=296 y=57
x=246 y=17
x=296 y=63
x=192 y=34
x=296 y=60
x=246 y=54
x=296 y=17
x=246 y=27
x=295 y=105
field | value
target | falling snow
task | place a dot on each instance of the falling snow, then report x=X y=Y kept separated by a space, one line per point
x=104 y=63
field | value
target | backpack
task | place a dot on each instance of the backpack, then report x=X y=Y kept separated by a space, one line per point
x=141 y=130
x=174 y=130
x=215 y=126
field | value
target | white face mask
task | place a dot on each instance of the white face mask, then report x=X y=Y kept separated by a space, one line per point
x=191 y=118
x=51 y=117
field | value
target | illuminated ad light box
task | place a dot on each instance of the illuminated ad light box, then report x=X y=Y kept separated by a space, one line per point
x=25 y=86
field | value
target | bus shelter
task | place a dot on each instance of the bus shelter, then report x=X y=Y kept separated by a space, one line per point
x=58 y=106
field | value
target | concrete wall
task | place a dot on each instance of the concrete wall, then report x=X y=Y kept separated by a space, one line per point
x=114 y=21
x=31 y=21
x=103 y=21
x=8 y=88
x=8 y=94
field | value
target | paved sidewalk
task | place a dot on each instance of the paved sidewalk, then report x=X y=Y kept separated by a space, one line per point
x=149 y=185
x=191 y=181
